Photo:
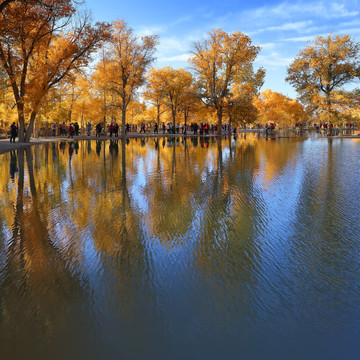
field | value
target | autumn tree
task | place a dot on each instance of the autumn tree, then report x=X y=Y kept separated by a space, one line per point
x=274 y=107
x=174 y=85
x=218 y=63
x=7 y=112
x=5 y=3
x=129 y=57
x=320 y=71
x=135 y=111
x=349 y=105
x=82 y=100
x=190 y=103
x=154 y=93
x=40 y=45
x=100 y=79
x=60 y=101
x=239 y=106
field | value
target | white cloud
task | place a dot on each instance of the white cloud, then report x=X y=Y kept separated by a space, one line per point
x=168 y=44
x=355 y=22
x=151 y=30
x=284 y=10
x=300 y=25
x=300 y=38
x=352 y=31
x=160 y=29
x=182 y=57
x=273 y=61
x=209 y=14
x=269 y=46
x=280 y=30
x=181 y=20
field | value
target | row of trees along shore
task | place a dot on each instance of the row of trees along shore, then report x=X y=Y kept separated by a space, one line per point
x=57 y=66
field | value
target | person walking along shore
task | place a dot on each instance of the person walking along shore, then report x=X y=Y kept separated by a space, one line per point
x=13 y=132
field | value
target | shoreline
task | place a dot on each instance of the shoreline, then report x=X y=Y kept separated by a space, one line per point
x=6 y=146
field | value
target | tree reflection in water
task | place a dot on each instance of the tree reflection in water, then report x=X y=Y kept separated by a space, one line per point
x=164 y=242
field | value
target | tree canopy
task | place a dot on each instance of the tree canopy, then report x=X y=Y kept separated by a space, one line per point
x=130 y=57
x=321 y=71
x=41 y=44
x=219 y=62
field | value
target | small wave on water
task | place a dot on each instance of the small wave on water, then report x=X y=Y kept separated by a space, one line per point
x=164 y=249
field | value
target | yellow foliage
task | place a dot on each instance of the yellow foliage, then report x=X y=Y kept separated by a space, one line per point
x=274 y=107
x=320 y=72
x=219 y=62
x=129 y=58
x=171 y=87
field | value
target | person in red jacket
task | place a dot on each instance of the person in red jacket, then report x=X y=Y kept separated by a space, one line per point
x=71 y=131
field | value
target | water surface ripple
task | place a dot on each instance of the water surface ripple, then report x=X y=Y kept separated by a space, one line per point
x=181 y=248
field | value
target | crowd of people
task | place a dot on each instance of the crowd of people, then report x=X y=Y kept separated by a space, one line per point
x=73 y=129
x=195 y=128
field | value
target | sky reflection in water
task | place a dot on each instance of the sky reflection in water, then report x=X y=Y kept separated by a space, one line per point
x=172 y=248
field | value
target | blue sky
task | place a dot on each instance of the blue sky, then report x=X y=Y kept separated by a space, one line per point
x=281 y=28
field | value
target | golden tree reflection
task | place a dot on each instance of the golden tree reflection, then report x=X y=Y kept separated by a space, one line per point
x=85 y=221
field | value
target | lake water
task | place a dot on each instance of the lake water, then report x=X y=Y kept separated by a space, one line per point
x=173 y=249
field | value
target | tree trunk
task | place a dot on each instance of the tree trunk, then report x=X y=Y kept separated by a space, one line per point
x=229 y=129
x=123 y=121
x=82 y=122
x=174 y=120
x=30 y=128
x=123 y=162
x=219 y=116
x=328 y=105
x=21 y=120
x=230 y=149
x=158 y=117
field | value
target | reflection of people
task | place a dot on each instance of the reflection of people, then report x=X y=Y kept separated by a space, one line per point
x=53 y=152
x=98 y=147
x=62 y=146
x=71 y=149
x=113 y=148
x=116 y=148
x=13 y=164
x=76 y=147
x=13 y=132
